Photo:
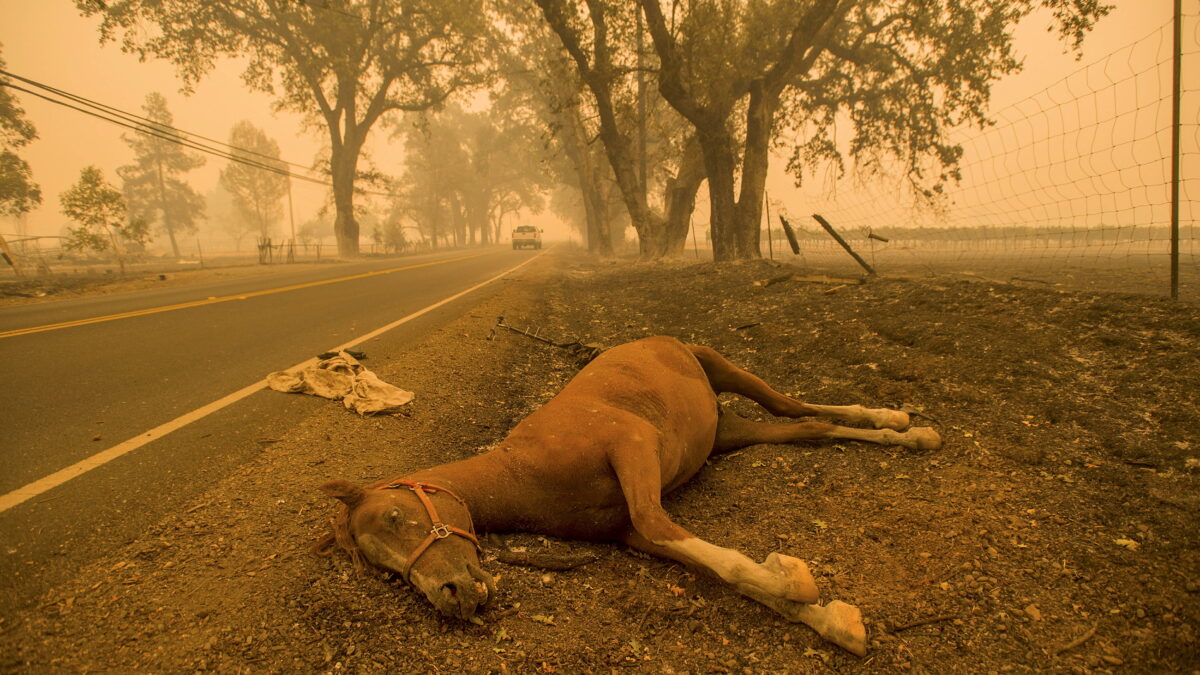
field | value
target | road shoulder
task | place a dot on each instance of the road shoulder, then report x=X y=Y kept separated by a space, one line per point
x=208 y=586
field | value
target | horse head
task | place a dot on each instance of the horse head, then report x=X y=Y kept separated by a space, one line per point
x=422 y=532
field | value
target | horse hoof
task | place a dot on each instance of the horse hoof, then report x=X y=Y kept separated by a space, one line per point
x=922 y=438
x=798 y=582
x=844 y=627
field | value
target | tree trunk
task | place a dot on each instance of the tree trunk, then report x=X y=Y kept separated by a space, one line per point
x=601 y=192
x=345 y=226
x=497 y=223
x=680 y=195
x=598 y=75
x=459 y=221
x=599 y=225
x=262 y=219
x=760 y=113
x=481 y=220
x=595 y=205
x=343 y=164
x=650 y=226
x=719 y=164
x=736 y=222
x=162 y=206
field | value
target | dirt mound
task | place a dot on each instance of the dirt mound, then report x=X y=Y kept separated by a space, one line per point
x=1056 y=530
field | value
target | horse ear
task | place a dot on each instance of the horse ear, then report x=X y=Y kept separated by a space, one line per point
x=349 y=493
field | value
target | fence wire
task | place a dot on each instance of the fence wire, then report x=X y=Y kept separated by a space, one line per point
x=1070 y=187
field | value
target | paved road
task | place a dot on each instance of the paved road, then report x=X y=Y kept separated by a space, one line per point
x=116 y=379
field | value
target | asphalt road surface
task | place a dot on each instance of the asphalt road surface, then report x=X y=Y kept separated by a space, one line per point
x=73 y=391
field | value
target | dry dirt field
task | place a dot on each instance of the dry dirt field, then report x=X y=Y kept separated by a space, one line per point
x=1057 y=530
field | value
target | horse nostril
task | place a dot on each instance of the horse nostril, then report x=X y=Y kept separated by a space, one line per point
x=451 y=589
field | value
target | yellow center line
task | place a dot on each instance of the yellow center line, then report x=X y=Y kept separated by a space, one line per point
x=225 y=298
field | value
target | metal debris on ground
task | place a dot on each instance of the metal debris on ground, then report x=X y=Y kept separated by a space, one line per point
x=583 y=351
x=917 y=413
x=361 y=356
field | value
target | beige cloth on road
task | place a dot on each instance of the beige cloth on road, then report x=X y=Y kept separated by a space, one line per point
x=342 y=377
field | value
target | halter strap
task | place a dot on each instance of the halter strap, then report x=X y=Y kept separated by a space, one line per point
x=439 y=530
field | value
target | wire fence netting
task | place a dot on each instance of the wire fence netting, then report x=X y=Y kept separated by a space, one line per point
x=1070 y=187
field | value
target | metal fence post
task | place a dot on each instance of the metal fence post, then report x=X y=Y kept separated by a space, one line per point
x=1176 y=95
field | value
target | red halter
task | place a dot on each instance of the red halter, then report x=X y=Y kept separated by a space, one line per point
x=439 y=530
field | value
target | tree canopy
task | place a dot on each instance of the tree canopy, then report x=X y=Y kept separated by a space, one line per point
x=901 y=72
x=344 y=64
x=645 y=100
x=18 y=192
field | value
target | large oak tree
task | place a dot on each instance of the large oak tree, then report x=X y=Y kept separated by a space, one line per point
x=343 y=63
x=901 y=72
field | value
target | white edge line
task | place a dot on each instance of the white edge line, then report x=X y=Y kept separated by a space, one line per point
x=103 y=457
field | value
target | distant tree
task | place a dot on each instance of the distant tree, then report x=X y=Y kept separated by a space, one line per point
x=221 y=215
x=18 y=193
x=395 y=220
x=434 y=158
x=315 y=229
x=257 y=193
x=99 y=208
x=345 y=64
x=154 y=187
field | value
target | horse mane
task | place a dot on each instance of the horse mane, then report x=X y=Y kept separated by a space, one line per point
x=339 y=537
x=339 y=533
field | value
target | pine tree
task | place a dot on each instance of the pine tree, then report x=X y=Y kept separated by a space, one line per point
x=154 y=187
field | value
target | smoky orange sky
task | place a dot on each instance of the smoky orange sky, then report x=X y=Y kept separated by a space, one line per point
x=48 y=40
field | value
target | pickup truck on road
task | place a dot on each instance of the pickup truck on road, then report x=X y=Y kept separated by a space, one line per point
x=526 y=235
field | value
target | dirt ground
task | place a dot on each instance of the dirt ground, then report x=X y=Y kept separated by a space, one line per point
x=1057 y=529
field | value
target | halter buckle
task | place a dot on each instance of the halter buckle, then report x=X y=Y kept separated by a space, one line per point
x=440 y=530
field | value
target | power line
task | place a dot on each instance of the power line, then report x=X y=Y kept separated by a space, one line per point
x=139 y=119
x=166 y=132
x=179 y=140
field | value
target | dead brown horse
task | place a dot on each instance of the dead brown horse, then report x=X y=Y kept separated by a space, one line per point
x=593 y=463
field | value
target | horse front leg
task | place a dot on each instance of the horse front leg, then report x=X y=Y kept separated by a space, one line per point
x=781 y=582
x=836 y=622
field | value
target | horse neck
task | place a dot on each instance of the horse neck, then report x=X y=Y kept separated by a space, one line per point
x=487 y=485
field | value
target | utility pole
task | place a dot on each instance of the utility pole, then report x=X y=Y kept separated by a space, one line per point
x=291 y=214
x=291 y=218
x=641 y=103
x=1175 y=121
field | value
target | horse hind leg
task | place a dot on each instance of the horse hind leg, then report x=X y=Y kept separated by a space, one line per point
x=735 y=432
x=723 y=376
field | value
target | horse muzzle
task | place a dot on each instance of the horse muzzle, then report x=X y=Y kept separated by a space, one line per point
x=460 y=595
